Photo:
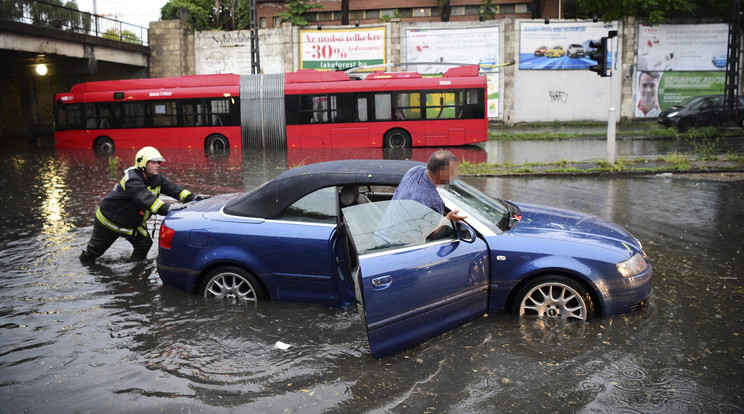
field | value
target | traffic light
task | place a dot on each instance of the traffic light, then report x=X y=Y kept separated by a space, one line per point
x=599 y=53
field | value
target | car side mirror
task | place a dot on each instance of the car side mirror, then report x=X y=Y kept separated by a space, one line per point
x=464 y=232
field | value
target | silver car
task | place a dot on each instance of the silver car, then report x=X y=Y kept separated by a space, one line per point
x=576 y=50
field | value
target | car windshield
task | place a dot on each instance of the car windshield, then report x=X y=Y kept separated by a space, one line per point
x=496 y=214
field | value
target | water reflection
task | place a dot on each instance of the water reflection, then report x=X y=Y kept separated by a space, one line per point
x=108 y=336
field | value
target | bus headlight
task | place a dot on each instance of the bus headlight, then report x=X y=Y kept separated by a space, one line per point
x=633 y=266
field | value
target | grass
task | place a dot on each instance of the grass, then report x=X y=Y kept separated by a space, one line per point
x=513 y=134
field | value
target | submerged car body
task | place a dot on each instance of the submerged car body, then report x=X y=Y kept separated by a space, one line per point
x=330 y=234
x=703 y=110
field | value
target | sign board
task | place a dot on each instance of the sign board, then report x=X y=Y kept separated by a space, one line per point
x=342 y=48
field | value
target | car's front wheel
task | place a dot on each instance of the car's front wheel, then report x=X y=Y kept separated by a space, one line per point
x=684 y=125
x=233 y=284
x=554 y=297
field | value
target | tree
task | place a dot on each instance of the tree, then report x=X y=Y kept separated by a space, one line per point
x=655 y=11
x=295 y=10
x=488 y=10
x=201 y=12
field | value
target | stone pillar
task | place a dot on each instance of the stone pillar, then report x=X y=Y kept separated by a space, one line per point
x=172 y=48
x=627 y=66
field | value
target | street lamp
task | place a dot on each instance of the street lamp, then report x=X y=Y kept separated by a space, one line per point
x=41 y=69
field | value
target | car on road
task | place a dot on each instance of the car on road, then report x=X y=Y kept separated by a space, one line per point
x=329 y=234
x=540 y=51
x=556 y=51
x=698 y=111
x=576 y=50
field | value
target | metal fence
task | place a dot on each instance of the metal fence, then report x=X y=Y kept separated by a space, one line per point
x=41 y=13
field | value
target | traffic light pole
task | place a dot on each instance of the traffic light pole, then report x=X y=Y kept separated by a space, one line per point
x=611 y=147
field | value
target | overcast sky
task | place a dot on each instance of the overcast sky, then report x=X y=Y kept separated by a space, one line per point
x=137 y=12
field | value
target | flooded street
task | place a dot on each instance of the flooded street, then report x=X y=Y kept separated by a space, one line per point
x=110 y=337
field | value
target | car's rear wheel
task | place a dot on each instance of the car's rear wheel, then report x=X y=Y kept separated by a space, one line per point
x=554 y=297
x=233 y=284
x=684 y=125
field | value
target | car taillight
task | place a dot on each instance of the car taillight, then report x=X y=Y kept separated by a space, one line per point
x=166 y=236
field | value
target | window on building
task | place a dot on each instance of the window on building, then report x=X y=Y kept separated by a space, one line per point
x=507 y=9
x=356 y=14
x=325 y=16
x=262 y=22
x=522 y=8
x=422 y=12
x=372 y=14
x=457 y=11
x=277 y=21
x=472 y=10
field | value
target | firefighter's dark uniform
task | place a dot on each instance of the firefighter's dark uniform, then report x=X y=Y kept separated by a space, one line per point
x=124 y=212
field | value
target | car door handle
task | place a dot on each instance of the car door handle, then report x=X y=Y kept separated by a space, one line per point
x=382 y=282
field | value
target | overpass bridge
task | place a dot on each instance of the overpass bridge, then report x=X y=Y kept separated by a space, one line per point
x=72 y=46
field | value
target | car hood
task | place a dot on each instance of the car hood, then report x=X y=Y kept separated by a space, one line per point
x=560 y=224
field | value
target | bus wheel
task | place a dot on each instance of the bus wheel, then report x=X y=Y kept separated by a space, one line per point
x=103 y=146
x=397 y=138
x=216 y=143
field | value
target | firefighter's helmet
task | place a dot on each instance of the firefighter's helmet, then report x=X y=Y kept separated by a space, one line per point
x=147 y=154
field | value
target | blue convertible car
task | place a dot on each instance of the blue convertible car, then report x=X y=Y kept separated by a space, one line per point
x=329 y=233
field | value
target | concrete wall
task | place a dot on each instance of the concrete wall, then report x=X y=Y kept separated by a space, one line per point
x=524 y=95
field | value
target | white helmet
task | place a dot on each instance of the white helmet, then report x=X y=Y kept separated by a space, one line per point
x=147 y=154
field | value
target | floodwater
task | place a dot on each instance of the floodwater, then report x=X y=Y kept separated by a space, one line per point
x=110 y=338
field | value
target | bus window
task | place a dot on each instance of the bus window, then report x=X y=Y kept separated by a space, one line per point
x=383 y=107
x=408 y=106
x=90 y=116
x=163 y=113
x=134 y=114
x=69 y=116
x=361 y=106
x=442 y=105
x=220 y=112
x=192 y=112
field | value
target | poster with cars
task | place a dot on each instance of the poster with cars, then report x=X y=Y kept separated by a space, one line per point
x=682 y=47
x=656 y=91
x=559 y=46
x=342 y=48
x=429 y=46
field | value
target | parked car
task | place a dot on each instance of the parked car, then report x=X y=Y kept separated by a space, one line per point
x=540 y=51
x=315 y=234
x=556 y=51
x=700 y=111
x=576 y=50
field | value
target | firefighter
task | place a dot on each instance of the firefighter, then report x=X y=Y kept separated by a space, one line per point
x=124 y=212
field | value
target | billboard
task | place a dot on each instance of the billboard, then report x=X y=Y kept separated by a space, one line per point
x=658 y=91
x=342 y=48
x=559 y=46
x=682 y=47
x=466 y=45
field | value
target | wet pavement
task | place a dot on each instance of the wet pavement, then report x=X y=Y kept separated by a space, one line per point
x=110 y=337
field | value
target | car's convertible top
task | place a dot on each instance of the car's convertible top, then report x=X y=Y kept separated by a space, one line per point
x=271 y=198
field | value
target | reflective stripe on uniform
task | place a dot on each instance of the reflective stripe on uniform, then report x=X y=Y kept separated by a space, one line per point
x=155 y=206
x=106 y=222
x=183 y=194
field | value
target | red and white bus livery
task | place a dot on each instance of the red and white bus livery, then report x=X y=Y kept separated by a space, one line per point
x=304 y=109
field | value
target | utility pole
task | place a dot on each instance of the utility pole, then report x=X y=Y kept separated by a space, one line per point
x=731 y=89
x=255 y=60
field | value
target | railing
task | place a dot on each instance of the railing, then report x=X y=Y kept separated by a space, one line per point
x=41 y=13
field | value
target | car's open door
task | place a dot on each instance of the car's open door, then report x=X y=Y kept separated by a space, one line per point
x=412 y=285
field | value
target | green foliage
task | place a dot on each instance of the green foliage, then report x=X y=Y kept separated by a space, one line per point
x=201 y=12
x=488 y=9
x=124 y=36
x=655 y=11
x=388 y=17
x=295 y=10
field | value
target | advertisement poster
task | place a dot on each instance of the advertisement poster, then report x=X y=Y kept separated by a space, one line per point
x=682 y=47
x=657 y=91
x=493 y=95
x=342 y=49
x=558 y=46
x=468 y=46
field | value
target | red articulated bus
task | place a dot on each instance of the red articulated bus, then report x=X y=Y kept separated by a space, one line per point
x=304 y=109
